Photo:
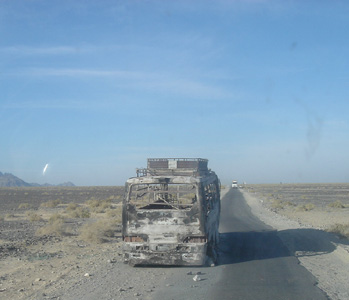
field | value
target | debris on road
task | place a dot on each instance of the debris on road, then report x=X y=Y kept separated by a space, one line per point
x=196 y=278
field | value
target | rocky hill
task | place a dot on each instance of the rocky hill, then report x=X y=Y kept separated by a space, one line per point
x=9 y=180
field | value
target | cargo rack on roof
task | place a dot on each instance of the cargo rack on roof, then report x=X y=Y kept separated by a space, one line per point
x=174 y=166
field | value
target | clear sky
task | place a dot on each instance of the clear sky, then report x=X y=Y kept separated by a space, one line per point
x=94 y=88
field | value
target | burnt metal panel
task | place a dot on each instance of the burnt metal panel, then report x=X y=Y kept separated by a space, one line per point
x=178 y=163
x=162 y=232
x=158 y=163
x=200 y=164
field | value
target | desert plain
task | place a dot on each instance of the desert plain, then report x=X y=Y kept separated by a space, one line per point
x=55 y=239
x=51 y=237
x=319 y=205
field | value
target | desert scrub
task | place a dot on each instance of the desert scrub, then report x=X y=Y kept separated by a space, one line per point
x=24 y=206
x=51 y=203
x=2 y=218
x=114 y=198
x=97 y=232
x=115 y=214
x=55 y=217
x=93 y=202
x=9 y=216
x=340 y=229
x=279 y=204
x=71 y=207
x=99 y=206
x=305 y=207
x=34 y=217
x=56 y=228
x=105 y=204
x=79 y=212
x=336 y=204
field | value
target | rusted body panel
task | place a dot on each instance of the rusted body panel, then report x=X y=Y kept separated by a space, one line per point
x=170 y=219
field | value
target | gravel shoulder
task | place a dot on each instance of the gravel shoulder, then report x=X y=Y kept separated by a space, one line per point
x=324 y=254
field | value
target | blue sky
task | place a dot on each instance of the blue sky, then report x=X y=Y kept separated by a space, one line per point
x=94 y=88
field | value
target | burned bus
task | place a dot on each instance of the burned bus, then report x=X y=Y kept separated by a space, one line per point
x=171 y=213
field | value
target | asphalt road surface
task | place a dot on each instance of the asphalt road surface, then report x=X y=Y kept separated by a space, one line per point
x=253 y=264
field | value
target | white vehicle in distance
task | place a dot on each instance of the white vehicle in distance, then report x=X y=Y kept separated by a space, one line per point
x=234 y=185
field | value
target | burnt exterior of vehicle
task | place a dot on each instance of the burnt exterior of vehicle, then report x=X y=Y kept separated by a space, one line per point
x=171 y=213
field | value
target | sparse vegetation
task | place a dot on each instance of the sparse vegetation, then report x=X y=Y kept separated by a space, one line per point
x=71 y=207
x=115 y=214
x=93 y=202
x=34 y=217
x=289 y=203
x=305 y=207
x=340 y=229
x=55 y=228
x=279 y=204
x=79 y=212
x=99 y=206
x=73 y=210
x=51 y=203
x=336 y=204
x=97 y=232
x=33 y=205
x=55 y=217
x=24 y=206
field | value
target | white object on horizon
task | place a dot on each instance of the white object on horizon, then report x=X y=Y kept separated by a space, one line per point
x=44 y=170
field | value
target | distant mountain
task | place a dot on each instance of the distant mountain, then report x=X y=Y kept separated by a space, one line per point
x=9 y=180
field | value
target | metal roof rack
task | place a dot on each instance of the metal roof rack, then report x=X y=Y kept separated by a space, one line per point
x=174 y=166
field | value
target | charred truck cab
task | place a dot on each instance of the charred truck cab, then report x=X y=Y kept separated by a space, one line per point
x=171 y=213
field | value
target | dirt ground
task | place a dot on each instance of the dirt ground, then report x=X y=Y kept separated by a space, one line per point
x=318 y=205
x=51 y=263
x=36 y=265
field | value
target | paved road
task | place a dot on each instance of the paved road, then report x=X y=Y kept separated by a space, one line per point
x=253 y=264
